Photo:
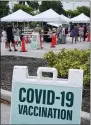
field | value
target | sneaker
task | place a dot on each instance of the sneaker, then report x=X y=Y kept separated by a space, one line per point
x=15 y=50
x=10 y=50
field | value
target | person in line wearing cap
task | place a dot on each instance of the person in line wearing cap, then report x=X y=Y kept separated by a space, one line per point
x=37 y=29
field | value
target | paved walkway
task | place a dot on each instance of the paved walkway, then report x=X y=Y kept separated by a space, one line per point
x=46 y=47
x=5 y=114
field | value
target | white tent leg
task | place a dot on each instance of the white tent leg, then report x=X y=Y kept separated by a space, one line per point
x=17 y=24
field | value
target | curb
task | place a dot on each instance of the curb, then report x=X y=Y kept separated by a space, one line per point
x=7 y=96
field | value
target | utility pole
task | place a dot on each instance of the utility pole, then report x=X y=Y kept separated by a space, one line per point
x=11 y=5
x=73 y=5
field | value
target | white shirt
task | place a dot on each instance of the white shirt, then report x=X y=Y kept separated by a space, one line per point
x=63 y=31
x=4 y=36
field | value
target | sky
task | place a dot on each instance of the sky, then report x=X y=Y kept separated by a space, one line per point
x=70 y=5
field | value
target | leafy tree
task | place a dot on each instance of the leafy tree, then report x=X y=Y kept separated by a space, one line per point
x=23 y=7
x=4 y=8
x=33 y=4
x=79 y=10
x=84 y=9
x=71 y=13
x=55 y=5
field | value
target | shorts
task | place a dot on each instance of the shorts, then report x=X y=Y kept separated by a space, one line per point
x=10 y=40
x=81 y=34
x=17 y=38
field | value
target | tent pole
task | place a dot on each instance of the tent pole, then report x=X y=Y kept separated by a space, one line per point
x=13 y=24
x=28 y=24
x=17 y=24
x=24 y=24
x=42 y=24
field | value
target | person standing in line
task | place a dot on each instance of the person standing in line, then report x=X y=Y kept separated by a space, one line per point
x=59 y=34
x=81 y=32
x=4 y=35
x=72 y=33
x=46 y=30
x=15 y=36
x=37 y=29
x=85 y=33
x=21 y=33
x=10 y=37
x=63 y=34
x=18 y=36
x=76 y=33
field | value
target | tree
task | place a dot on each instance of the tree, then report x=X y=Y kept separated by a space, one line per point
x=55 y=5
x=33 y=4
x=4 y=8
x=79 y=10
x=23 y=7
x=84 y=9
x=71 y=13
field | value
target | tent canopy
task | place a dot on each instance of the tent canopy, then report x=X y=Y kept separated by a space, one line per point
x=54 y=24
x=65 y=18
x=18 y=16
x=48 y=16
x=80 y=19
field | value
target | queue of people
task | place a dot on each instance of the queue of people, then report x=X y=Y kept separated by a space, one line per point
x=79 y=31
x=60 y=33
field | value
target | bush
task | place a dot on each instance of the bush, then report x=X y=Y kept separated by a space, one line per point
x=67 y=59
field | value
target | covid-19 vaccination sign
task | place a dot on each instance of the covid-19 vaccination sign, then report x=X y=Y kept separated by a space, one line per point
x=36 y=100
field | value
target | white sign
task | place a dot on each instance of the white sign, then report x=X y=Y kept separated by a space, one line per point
x=35 y=41
x=39 y=100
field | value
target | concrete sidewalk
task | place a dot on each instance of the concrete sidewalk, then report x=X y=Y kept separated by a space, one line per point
x=46 y=47
x=5 y=114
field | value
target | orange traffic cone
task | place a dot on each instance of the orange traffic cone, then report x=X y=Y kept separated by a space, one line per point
x=40 y=42
x=88 y=38
x=53 y=41
x=23 y=46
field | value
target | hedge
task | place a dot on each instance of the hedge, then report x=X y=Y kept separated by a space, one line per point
x=70 y=59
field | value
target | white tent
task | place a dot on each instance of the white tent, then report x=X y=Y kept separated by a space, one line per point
x=54 y=24
x=18 y=16
x=80 y=19
x=65 y=18
x=48 y=16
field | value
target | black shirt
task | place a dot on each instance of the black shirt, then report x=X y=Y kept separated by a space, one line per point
x=9 y=32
